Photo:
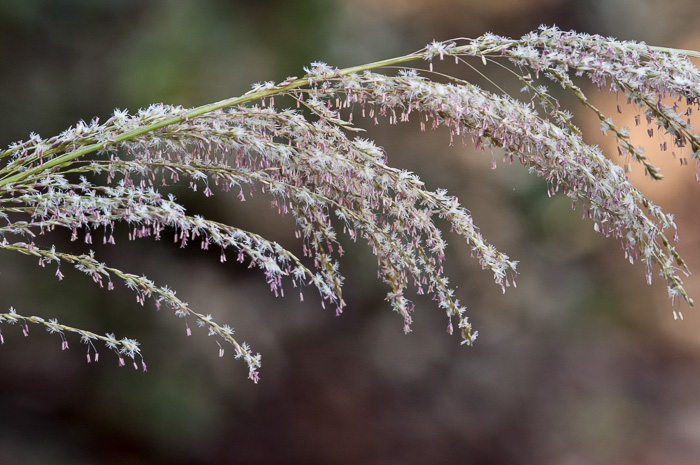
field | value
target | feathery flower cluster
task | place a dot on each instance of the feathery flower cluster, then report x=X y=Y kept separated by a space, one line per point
x=312 y=169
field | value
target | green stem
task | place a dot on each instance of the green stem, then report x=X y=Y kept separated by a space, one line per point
x=676 y=51
x=255 y=95
x=195 y=112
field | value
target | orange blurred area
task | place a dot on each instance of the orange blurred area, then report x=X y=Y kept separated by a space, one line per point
x=677 y=192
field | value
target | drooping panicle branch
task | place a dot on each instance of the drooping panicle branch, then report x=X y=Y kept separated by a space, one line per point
x=312 y=166
x=554 y=152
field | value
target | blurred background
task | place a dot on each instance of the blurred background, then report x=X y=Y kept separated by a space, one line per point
x=582 y=363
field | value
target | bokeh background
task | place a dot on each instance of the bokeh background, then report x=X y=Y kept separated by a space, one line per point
x=582 y=363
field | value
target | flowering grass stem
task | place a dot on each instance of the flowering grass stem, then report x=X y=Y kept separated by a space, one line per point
x=311 y=168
